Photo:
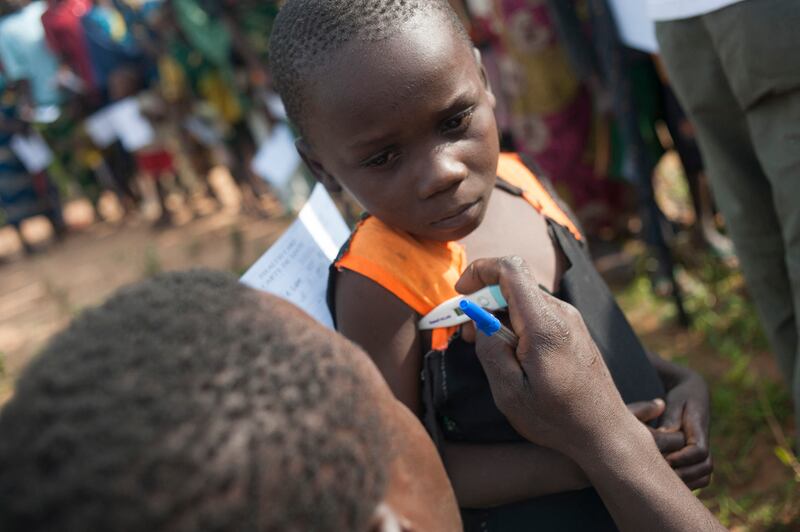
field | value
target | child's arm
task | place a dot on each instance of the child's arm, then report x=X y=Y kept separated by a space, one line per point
x=687 y=416
x=482 y=475
x=491 y=475
x=386 y=328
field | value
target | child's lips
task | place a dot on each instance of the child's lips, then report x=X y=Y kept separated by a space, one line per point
x=459 y=217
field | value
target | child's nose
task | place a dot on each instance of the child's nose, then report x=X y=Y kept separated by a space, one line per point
x=440 y=173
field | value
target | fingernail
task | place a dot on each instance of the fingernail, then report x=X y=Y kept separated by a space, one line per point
x=659 y=402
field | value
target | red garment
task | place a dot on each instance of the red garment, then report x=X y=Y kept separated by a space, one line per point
x=65 y=36
x=155 y=162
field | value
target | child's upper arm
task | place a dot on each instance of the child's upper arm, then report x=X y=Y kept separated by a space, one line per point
x=386 y=328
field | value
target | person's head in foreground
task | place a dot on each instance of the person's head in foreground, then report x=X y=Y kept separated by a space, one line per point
x=392 y=105
x=192 y=403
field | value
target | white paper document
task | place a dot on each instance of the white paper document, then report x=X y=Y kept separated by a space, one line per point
x=100 y=129
x=132 y=128
x=275 y=105
x=277 y=159
x=122 y=120
x=296 y=266
x=32 y=151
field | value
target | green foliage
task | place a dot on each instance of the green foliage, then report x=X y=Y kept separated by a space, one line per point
x=152 y=262
x=237 y=249
x=754 y=486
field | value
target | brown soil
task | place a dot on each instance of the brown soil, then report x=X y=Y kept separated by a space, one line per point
x=41 y=293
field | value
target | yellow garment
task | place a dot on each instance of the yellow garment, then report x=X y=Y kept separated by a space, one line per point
x=218 y=93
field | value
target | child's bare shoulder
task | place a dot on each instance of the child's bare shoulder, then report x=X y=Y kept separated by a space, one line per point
x=368 y=313
x=385 y=327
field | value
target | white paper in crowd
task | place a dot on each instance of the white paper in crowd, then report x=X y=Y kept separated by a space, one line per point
x=46 y=114
x=202 y=130
x=277 y=159
x=100 y=129
x=132 y=128
x=32 y=151
x=296 y=266
x=275 y=105
x=635 y=27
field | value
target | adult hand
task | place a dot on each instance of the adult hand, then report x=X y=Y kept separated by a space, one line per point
x=555 y=389
x=687 y=413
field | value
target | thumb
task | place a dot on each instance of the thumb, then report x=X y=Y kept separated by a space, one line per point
x=647 y=410
x=506 y=377
x=673 y=416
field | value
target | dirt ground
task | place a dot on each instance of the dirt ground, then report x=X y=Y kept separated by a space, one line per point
x=41 y=293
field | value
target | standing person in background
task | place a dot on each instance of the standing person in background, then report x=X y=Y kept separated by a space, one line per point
x=733 y=65
x=628 y=81
x=111 y=44
x=26 y=58
x=66 y=38
x=205 y=27
x=28 y=80
x=22 y=195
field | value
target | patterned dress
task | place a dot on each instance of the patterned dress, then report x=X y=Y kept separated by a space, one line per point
x=22 y=195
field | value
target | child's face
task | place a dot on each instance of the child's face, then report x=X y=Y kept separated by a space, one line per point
x=407 y=126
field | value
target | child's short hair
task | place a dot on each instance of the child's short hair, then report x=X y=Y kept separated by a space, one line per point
x=306 y=32
x=186 y=403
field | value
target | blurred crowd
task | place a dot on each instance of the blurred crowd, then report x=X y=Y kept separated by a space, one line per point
x=126 y=96
x=140 y=99
x=138 y=96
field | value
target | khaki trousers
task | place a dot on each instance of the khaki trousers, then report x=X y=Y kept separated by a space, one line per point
x=736 y=71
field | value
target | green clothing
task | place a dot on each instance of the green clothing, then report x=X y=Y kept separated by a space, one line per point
x=255 y=19
x=736 y=73
x=206 y=33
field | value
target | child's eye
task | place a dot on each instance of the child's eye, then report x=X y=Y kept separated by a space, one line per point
x=380 y=160
x=459 y=122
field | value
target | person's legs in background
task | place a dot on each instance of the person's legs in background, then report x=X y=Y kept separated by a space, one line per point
x=765 y=76
x=710 y=72
x=682 y=132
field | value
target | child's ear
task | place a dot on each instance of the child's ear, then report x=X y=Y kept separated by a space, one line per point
x=319 y=172
x=486 y=84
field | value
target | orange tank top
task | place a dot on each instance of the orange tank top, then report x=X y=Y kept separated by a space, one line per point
x=423 y=273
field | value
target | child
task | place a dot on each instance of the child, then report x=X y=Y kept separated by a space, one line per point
x=392 y=105
x=149 y=145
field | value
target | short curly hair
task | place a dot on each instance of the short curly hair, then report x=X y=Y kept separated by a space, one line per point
x=185 y=403
x=306 y=32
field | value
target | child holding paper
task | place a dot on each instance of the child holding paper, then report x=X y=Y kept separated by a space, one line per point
x=139 y=120
x=392 y=105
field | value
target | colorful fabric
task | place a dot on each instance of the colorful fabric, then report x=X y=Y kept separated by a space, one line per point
x=155 y=163
x=25 y=54
x=65 y=36
x=21 y=194
x=254 y=18
x=204 y=50
x=549 y=112
x=111 y=45
x=207 y=34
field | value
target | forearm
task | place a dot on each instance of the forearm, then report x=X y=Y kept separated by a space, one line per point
x=638 y=487
x=491 y=475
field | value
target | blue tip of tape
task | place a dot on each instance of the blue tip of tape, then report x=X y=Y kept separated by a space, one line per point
x=484 y=320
